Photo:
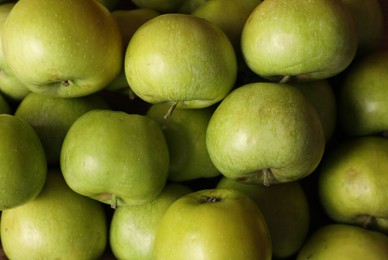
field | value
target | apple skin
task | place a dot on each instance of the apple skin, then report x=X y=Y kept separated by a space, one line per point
x=265 y=133
x=185 y=134
x=4 y=106
x=362 y=104
x=133 y=228
x=51 y=117
x=115 y=157
x=181 y=59
x=75 y=57
x=285 y=209
x=213 y=224
x=352 y=182
x=58 y=224
x=23 y=165
x=299 y=39
x=339 y=241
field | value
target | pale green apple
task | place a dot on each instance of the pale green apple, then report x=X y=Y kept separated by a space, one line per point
x=9 y=84
x=362 y=105
x=285 y=209
x=51 y=117
x=321 y=95
x=133 y=228
x=162 y=6
x=129 y=21
x=62 y=48
x=213 y=224
x=23 y=165
x=58 y=224
x=345 y=242
x=181 y=59
x=265 y=133
x=115 y=157
x=229 y=15
x=4 y=105
x=369 y=19
x=299 y=39
x=353 y=180
x=185 y=134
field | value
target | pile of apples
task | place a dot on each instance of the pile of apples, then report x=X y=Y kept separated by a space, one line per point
x=220 y=129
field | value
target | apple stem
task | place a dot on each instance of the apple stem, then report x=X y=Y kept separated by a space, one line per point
x=266 y=175
x=170 y=110
x=131 y=95
x=113 y=203
x=285 y=79
x=207 y=199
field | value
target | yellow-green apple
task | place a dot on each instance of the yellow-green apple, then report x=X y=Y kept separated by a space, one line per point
x=299 y=39
x=265 y=133
x=369 y=20
x=133 y=228
x=4 y=105
x=162 y=6
x=346 y=242
x=213 y=224
x=229 y=15
x=285 y=209
x=352 y=183
x=9 y=84
x=128 y=21
x=186 y=139
x=23 y=164
x=361 y=96
x=180 y=59
x=62 y=48
x=51 y=117
x=58 y=224
x=115 y=157
x=321 y=95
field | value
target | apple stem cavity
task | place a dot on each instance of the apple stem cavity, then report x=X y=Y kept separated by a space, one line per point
x=170 y=110
x=66 y=83
x=207 y=199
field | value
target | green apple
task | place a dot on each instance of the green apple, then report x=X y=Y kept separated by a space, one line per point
x=9 y=84
x=265 y=133
x=321 y=95
x=133 y=228
x=362 y=106
x=58 y=224
x=285 y=209
x=23 y=165
x=189 y=6
x=62 y=48
x=213 y=224
x=369 y=20
x=51 y=117
x=353 y=181
x=229 y=15
x=180 y=59
x=115 y=157
x=129 y=21
x=4 y=105
x=186 y=138
x=345 y=242
x=162 y=6
x=299 y=39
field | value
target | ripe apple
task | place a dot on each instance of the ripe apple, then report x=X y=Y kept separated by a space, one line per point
x=23 y=165
x=265 y=133
x=353 y=181
x=162 y=6
x=321 y=95
x=10 y=86
x=115 y=157
x=180 y=59
x=213 y=224
x=185 y=134
x=339 y=241
x=299 y=39
x=285 y=209
x=62 y=48
x=58 y=224
x=362 y=96
x=229 y=15
x=51 y=117
x=133 y=228
x=188 y=6
x=369 y=20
